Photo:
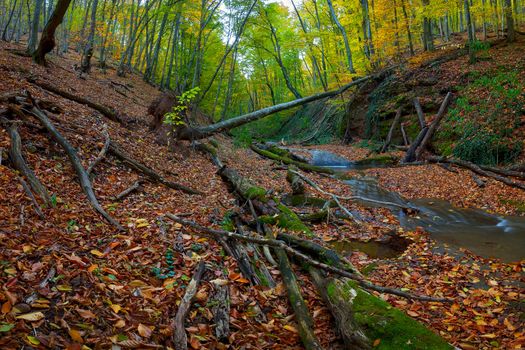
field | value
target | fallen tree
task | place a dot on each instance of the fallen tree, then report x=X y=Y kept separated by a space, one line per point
x=194 y=133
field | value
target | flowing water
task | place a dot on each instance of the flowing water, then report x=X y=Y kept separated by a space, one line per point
x=485 y=234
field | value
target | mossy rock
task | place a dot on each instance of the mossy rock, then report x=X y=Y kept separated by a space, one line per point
x=379 y=320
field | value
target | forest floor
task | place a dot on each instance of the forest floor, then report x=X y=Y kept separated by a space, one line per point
x=105 y=290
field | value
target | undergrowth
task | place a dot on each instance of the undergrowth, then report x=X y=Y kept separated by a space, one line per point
x=480 y=128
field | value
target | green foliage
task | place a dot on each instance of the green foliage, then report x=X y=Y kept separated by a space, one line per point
x=176 y=116
x=480 y=126
x=169 y=271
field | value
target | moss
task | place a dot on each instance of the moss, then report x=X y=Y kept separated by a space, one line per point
x=517 y=204
x=380 y=159
x=227 y=222
x=306 y=201
x=214 y=143
x=368 y=269
x=286 y=160
x=255 y=192
x=289 y=220
x=396 y=330
x=262 y=278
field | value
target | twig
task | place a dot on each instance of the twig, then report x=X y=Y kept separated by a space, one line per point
x=127 y=191
x=280 y=244
x=36 y=206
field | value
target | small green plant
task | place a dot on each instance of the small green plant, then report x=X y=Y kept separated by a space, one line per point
x=176 y=116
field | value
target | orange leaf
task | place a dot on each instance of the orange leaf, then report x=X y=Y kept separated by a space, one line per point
x=6 y=307
x=376 y=342
x=75 y=335
x=144 y=330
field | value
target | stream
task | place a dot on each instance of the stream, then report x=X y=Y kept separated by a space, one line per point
x=484 y=234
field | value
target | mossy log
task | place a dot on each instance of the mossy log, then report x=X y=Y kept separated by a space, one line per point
x=296 y=183
x=288 y=161
x=367 y=320
x=313 y=249
x=302 y=315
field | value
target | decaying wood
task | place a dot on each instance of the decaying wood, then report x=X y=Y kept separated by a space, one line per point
x=221 y=311
x=179 y=335
x=302 y=315
x=128 y=191
x=410 y=156
x=433 y=127
x=105 y=111
x=391 y=131
x=19 y=163
x=77 y=165
x=341 y=309
x=214 y=233
x=475 y=168
x=406 y=141
x=150 y=173
x=520 y=174
x=103 y=151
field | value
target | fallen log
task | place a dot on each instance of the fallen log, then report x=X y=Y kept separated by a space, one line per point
x=391 y=131
x=296 y=183
x=288 y=161
x=19 y=163
x=151 y=174
x=179 y=335
x=477 y=180
x=433 y=127
x=406 y=140
x=214 y=233
x=302 y=315
x=105 y=111
x=77 y=165
x=313 y=249
x=195 y=133
x=505 y=172
x=103 y=150
x=362 y=318
x=410 y=156
x=340 y=307
x=221 y=311
x=475 y=168
x=420 y=114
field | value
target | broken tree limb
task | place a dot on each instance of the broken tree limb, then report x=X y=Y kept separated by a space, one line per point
x=288 y=161
x=128 y=191
x=103 y=151
x=194 y=133
x=77 y=165
x=504 y=172
x=475 y=168
x=406 y=141
x=150 y=173
x=302 y=315
x=391 y=131
x=179 y=335
x=105 y=111
x=293 y=252
x=340 y=308
x=296 y=183
x=19 y=163
x=433 y=127
x=477 y=180
x=410 y=156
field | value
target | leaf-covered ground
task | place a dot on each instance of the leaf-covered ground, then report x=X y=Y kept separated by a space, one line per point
x=113 y=288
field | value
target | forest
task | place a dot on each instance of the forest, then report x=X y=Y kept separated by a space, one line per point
x=262 y=174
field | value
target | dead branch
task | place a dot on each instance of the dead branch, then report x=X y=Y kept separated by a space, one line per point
x=105 y=111
x=77 y=165
x=179 y=336
x=221 y=311
x=391 y=131
x=102 y=152
x=127 y=191
x=27 y=190
x=475 y=168
x=150 y=173
x=280 y=244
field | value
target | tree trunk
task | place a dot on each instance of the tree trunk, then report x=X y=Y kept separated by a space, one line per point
x=85 y=65
x=511 y=31
x=47 y=41
x=345 y=37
